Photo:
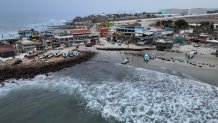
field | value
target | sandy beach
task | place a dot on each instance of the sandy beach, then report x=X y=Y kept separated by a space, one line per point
x=102 y=87
x=203 y=67
x=205 y=73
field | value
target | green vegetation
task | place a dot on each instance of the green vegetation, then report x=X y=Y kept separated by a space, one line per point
x=181 y=24
x=165 y=23
x=108 y=24
x=207 y=25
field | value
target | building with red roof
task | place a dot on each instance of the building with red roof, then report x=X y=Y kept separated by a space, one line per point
x=104 y=31
x=80 y=35
x=81 y=31
x=7 y=51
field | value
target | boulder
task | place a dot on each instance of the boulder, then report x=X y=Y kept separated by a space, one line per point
x=16 y=61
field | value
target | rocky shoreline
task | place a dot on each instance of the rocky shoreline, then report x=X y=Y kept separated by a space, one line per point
x=30 y=71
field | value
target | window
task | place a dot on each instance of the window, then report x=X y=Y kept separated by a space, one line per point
x=62 y=39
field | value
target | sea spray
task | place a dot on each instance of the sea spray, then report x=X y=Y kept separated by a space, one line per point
x=146 y=96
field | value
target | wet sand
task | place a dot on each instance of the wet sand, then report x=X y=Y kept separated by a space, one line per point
x=205 y=73
x=102 y=90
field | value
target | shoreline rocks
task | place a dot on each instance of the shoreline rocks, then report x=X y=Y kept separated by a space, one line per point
x=30 y=71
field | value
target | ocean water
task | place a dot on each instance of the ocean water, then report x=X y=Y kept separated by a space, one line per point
x=11 y=23
x=101 y=91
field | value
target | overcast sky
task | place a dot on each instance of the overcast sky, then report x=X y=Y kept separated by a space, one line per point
x=85 y=7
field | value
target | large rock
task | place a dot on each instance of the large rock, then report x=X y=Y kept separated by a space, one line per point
x=27 y=71
x=16 y=61
x=1 y=62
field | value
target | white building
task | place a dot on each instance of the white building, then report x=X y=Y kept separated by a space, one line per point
x=25 y=46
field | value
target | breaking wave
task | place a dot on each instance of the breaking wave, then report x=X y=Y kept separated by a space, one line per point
x=147 y=96
x=43 y=26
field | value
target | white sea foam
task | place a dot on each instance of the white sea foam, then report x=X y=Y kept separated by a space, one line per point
x=153 y=97
x=37 y=26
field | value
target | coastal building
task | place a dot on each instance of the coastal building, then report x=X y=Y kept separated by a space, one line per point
x=7 y=51
x=25 y=46
x=73 y=37
x=64 y=40
x=163 y=44
x=203 y=37
x=113 y=29
x=103 y=31
x=32 y=34
x=130 y=30
x=167 y=33
x=215 y=42
x=212 y=11
x=193 y=11
x=198 y=11
x=186 y=31
x=144 y=38
x=175 y=11
x=61 y=32
x=51 y=44
x=80 y=35
x=94 y=36
x=10 y=41
x=46 y=35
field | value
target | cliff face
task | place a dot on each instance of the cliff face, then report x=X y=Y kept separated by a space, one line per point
x=30 y=71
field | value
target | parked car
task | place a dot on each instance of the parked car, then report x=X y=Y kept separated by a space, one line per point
x=196 y=45
x=88 y=45
x=119 y=41
x=190 y=55
x=194 y=51
x=125 y=61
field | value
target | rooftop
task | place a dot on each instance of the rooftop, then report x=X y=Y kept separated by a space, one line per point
x=27 y=42
x=26 y=31
x=79 y=31
x=135 y=25
x=6 y=48
x=67 y=36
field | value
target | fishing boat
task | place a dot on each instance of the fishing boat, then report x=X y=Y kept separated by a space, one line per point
x=50 y=56
x=125 y=61
x=31 y=56
x=146 y=57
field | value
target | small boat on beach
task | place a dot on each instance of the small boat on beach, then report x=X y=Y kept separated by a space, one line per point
x=125 y=61
x=57 y=55
x=31 y=56
x=146 y=57
x=50 y=56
